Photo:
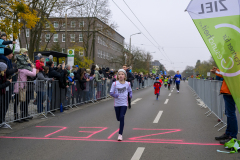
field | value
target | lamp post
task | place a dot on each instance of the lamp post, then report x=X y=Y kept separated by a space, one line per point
x=131 y=40
x=66 y=25
x=125 y=58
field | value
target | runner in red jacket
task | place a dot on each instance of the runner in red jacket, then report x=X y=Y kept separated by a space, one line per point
x=157 y=85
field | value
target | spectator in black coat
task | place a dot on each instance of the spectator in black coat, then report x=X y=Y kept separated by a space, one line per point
x=4 y=83
x=130 y=79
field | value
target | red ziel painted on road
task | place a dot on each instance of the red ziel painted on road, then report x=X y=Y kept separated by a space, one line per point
x=92 y=131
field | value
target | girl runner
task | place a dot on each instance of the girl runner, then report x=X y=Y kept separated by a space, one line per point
x=119 y=91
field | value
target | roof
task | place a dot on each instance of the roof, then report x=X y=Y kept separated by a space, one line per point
x=53 y=53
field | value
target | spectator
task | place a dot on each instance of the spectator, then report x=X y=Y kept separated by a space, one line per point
x=40 y=87
x=87 y=90
x=6 y=58
x=23 y=89
x=130 y=78
x=3 y=42
x=23 y=61
x=81 y=85
x=103 y=83
x=4 y=83
x=230 y=111
x=40 y=63
x=98 y=79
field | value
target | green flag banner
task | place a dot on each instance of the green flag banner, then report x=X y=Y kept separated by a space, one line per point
x=218 y=22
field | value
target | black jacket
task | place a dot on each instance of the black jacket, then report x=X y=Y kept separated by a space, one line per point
x=3 y=84
x=130 y=77
x=81 y=82
x=10 y=71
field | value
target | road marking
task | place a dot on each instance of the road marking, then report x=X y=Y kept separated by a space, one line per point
x=166 y=101
x=137 y=155
x=172 y=91
x=136 y=100
x=158 y=117
x=169 y=94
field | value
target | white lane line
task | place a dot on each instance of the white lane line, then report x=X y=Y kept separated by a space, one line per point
x=169 y=94
x=136 y=100
x=172 y=91
x=137 y=155
x=166 y=101
x=158 y=117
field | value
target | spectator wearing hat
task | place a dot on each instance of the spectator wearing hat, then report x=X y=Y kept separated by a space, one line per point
x=4 y=83
x=23 y=61
x=3 y=42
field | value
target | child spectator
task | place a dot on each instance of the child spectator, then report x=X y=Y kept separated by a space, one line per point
x=23 y=61
x=3 y=42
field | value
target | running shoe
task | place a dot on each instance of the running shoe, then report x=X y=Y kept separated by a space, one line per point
x=120 y=138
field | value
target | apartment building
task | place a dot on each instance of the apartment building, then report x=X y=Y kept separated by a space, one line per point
x=87 y=36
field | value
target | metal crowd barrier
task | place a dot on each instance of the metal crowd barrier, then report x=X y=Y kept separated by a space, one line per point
x=208 y=91
x=25 y=100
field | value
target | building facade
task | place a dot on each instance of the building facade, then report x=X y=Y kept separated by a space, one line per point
x=88 y=37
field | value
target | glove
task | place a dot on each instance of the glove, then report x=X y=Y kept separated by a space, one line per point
x=154 y=87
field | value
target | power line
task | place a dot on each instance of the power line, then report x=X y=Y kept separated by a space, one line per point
x=144 y=26
x=138 y=28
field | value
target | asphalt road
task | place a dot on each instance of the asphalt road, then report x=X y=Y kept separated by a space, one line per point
x=165 y=129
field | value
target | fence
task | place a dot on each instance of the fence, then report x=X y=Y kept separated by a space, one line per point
x=208 y=91
x=25 y=100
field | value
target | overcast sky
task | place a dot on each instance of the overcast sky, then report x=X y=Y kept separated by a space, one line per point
x=171 y=27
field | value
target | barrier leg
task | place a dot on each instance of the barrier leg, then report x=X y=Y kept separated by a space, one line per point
x=223 y=127
x=218 y=124
x=209 y=114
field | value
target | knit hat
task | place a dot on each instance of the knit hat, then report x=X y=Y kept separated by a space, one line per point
x=157 y=78
x=122 y=70
x=77 y=66
x=3 y=34
x=3 y=66
x=71 y=75
x=7 y=51
x=23 y=50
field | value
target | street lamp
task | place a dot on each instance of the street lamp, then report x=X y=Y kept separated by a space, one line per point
x=125 y=58
x=66 y=24
x=131 y=40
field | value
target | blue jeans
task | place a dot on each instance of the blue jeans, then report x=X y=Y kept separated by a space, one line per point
x=120 y=114
x=40 y=102
x=230 y=111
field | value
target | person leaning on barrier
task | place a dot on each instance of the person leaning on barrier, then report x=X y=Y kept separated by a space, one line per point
x=24 y=86
x=40 y=87
x=230 y=111
x=4 y=83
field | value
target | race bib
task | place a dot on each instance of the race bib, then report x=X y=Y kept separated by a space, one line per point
x=178 y=79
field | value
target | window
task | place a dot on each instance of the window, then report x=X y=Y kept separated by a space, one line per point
x=63 y=50
x=27 y=32
x=107 y=57
x=80 y=37
x=27 y=45
x=47 y=37
x=55 y=24
x=81 y=53
x=63 y=39
x=63 y=24
x=47 y=25
x=72 y=37
x=73 y=24
x=81 y=24
x=99 y=40
x=55 y=39
x=103 y=55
